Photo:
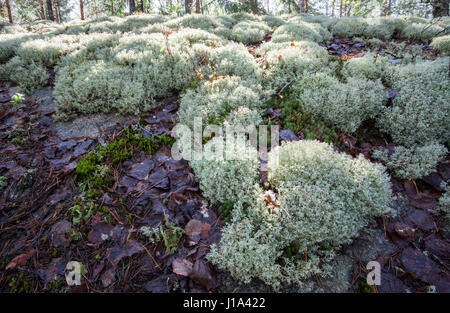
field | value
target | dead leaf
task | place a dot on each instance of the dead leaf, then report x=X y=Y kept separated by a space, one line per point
x=202 y=275
x=182 y=267
x=20 y=260
x=193 y=228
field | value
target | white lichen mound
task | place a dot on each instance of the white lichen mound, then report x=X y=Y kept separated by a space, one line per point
x=441 y=44
x=222 y=101
x=342 y=105
x=419 y=112
x=412 y=163
x=227 y=171
x=369 y=66
x=325 y=199
x=300 y=31
x=250 y=32
x=284 y=62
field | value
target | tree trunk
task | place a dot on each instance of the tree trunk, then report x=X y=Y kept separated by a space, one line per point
x=57 y=11
x=142 y=6
x=50 y=15
x=188 y=6
x=8 y=8
x=82 y=10
x=41 y=5
x=197 y=6
x=440 y=8
x=340 y=8
x=306 y=6
x=2 y=13
x=132 y=7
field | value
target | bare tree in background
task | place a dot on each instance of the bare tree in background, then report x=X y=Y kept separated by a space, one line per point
x=188 y=6
x=57 y=11
x=2 y=13
x=50 y=15
x=82 y=10
x=197 y=6
x=132 y=7
x=41 y=5
x=8 y=8
x=440 y=8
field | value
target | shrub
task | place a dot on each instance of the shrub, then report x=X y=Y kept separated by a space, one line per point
x=273 y=21
x=328 y=196
x=96 y=86
x=250 y=32
x=227 y=172
x=9 y=44
x=137 y=22
x=284 y=62
x=42 y=51
x=232 y=59
x=441 y=44
x=220 y=101
x=379 y=28
x=349 y=27
x=187 y=37
x=325 y=199
x=196 y=21
x=369 y=66
x=300 y=31
x=419 y=113
x=343 y=105
x=225 y=20
x=28 y=76
x=243 y=16
x=412 y=163
x=421 y=32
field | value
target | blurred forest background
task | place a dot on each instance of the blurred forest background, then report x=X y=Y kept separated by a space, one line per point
x=15 y=11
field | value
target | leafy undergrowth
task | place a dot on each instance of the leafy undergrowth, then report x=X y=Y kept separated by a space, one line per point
x=302 y=123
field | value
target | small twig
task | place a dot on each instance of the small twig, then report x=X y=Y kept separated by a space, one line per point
x=285 y=86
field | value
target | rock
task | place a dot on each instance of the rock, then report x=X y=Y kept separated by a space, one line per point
x=87 y=126
x=390 y=284
x=419 y=219
x=369 y=245
x=288 y=135
x=434 y=180
x=438 y=247
x=420 y=266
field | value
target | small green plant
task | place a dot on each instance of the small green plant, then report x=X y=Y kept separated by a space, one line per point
x=294 y=117
x=83 y=212
x=17 y=98
x=19 y=284
x=225 y=210
x=94 y=169
x=169 y=233
x=3 y=182
x=364 y=287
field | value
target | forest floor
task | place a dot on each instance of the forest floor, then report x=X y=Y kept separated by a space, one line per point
x=46 y=222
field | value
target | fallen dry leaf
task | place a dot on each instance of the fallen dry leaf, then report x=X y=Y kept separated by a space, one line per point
x=20 y=260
